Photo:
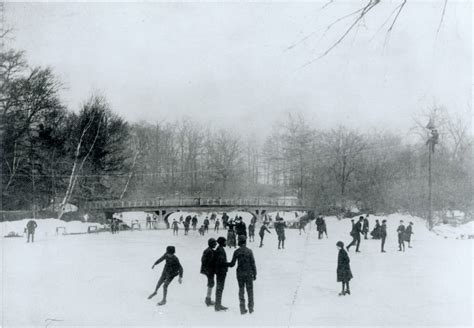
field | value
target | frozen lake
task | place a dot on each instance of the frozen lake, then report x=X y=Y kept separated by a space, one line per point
x=104 y=280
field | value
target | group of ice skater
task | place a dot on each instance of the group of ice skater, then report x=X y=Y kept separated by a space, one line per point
x=214 y=266
x=361 y=228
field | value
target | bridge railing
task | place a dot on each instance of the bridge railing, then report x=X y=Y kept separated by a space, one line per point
x=189 y=202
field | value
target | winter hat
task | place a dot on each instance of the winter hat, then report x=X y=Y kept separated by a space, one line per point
x=211 y=242
x=340 y=244
x=383 y=221
x=170 y=250
x=221 y=241
x=242 y=240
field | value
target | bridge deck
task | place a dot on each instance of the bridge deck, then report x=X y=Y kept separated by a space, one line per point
x=195 y=203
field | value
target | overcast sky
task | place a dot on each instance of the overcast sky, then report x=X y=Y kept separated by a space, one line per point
x=229 y=64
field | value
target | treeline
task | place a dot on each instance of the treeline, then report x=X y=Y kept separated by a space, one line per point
x=53 y=155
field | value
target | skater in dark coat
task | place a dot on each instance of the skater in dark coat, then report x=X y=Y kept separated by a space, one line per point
x=31 y=227
x=240 y=228
x=207 y=268
x=324 y=228
x=383 y=234
x=186 y=227
x=261 y=233
x=220 y=269
x=376 y=231
x=401 y=236
x=365 y=227
x=355 y=233
x=170 y=271
x=301 y=225
x=280 y=226
x=201 y=230
x=194 y=222
x=252 y=232
x=344 y=273
x=246 y=273
x=206 y=225
x=408 y=233
x=319 y=228
x=216 y=225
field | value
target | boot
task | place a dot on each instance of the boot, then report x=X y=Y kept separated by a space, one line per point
x=342 y=293
x=152 y=295
x=163 y=302
x=209 y=302
x=250 y=309
x=220 y=308
x=348 y=292
x=243 y=310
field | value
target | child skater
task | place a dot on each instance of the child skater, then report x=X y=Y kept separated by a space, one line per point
x=170 y=271
x=344 y=273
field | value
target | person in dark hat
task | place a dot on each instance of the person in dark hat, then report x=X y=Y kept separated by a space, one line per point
x=220 y=269
x=241 y=227
x=252 y=231
x=207 y=268
x=344 y=274
x=401 y=236
x=408 y=233
x=170 y=271
x=355 y=233
x=246 y=273
x=375 y=233
x=231 y=238
x=261 y=233
x=280 y=226
x=383 y=234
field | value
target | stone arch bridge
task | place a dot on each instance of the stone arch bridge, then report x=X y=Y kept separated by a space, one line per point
x=163 y=207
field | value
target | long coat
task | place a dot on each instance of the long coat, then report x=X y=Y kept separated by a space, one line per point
x=344 y=273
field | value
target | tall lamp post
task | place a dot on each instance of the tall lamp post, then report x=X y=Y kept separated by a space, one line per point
x=431 y=142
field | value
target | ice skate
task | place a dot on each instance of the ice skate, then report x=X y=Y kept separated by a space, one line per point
x=209 y=302
x=342 y=294
x=152 y=295
x=220 y=308
x=163 y=302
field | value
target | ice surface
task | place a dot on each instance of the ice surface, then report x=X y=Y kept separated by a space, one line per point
x=104 y=280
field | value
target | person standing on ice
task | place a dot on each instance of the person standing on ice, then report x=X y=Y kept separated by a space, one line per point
x=175 y=227
x=240 y=227
x=220 y=269
x=376 y=231
x=170 y=271
x=280 y=226
x=301 y=224
x=216 y=225
x=246 y=273
x=194 y=222
x=201 y=230
x=401 y=236
x=365 y=226
x=148 y=221
x=344 y=274
x=408 y=233
x=207 y=268
x=252 y=231
x=206 y=224
x=231 y=241
x=261 y=233
x=30 y=228
x=355 y=233
x=186 y=227
x=324 y=227
x=383 y=233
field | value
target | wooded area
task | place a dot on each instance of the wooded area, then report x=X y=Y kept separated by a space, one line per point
x=51 y=154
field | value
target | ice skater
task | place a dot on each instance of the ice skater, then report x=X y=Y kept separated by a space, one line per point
x=194 y=222
x=401 y=236
x=175 y=227
x=280 y=226
x=207 y=269
x=30 y=228
x=355 y=233
x=301 y=225
x=216 y=225
x=246 y=273
x=201 y=230
x=186 y=227
x=261 y=233
x=220 y=269
x=170 y=271
x=231 y=238
x=206 y=224
x=344 y=274
x=365 y=226
x=376 y=231
x=383 y=234
x=408 y=233
x=324 y=228
x=241 y=227
x=252 y=231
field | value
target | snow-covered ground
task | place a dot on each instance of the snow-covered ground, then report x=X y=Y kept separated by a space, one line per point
x=104 y=280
